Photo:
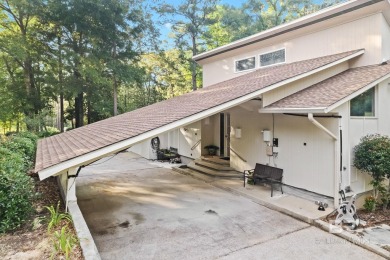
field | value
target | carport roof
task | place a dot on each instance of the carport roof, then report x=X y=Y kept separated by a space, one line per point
x=76 y=147
x=334 y=91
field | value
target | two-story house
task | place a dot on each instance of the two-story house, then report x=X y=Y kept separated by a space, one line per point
x=298 y=96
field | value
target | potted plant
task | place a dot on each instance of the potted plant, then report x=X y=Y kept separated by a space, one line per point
x=211 y=149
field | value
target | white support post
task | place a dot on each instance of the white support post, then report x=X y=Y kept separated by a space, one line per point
x=70 y=192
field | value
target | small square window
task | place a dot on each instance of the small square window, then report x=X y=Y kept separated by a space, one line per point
x=364 y=104
x=246 y=64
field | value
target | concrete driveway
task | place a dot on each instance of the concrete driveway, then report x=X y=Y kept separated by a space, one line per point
x=138 y=210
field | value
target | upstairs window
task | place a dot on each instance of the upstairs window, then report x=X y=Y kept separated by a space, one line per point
x=274 y=57
x=245 y=64
x=364 y=104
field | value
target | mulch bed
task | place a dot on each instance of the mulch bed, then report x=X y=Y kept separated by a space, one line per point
x=378 y=217
x=32 y=241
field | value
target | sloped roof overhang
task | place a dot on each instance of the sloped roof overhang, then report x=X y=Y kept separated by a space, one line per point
x=338 y=89
x=257 y=83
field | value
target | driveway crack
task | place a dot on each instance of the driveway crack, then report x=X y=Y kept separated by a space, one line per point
x=265 y=241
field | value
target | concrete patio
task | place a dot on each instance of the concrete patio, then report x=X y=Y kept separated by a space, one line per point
x=139 y=210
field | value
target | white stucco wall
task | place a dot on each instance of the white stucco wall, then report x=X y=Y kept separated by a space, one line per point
x=309 y=166
x=361 y=33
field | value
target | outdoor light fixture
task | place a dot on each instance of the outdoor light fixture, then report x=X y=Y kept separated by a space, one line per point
x=238 y=132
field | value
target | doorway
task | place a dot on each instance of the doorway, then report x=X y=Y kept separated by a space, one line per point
x=224 y=134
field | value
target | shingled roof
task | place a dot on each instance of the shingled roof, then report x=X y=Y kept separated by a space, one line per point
x=329 y=92
x=81 y=141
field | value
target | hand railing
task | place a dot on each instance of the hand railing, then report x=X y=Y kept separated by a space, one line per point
x=196 y=144
x=239 y=156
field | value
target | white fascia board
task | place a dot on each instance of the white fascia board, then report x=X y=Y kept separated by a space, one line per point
x=292 y=110
x=298 y=22
x=119 y=146
x=357 y=93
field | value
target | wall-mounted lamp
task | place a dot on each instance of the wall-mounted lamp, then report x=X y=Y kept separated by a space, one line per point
x=237 y=132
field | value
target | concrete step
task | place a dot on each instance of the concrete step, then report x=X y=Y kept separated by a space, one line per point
x=216 y=160
x=212 y=172
x=212 y=165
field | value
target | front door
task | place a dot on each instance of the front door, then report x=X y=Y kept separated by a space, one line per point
x=224 y=135
x=227 y=135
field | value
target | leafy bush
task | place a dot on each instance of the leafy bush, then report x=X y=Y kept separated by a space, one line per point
x=16 y=190
x=33 y=137
x=22 y=145
x=372 y=155
x=369 y=204
x=17 y=154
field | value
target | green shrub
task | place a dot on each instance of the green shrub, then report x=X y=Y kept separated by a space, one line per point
x=33 y=137
x=16 y=190
x=369 y=204
x=26 y=147
x=372 y=155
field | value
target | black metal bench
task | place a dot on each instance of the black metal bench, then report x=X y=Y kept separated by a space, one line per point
x=265 y=174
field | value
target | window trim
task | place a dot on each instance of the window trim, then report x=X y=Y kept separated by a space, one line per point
x=285 y=57
x=375 y=116
x=249 y=57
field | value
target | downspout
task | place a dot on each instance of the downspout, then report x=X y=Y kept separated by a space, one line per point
x=336 y=157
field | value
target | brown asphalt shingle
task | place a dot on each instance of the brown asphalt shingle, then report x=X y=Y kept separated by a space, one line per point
x=62 y=147
x=328 y=92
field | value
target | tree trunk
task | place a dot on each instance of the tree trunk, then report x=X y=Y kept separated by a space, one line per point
x=193 y=64
x=115 y=84
x=60 y=81
x=79 y=110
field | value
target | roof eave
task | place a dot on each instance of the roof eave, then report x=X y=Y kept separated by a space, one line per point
x=303 y=110
x=284 y=28
x=356 y=93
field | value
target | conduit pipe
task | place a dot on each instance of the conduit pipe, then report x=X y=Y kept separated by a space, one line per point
x=336 y=157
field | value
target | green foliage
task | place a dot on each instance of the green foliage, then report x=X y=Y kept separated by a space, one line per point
x=16 y=190
x=369 y=204
x=372 y=155
x=56 y=217
x=63 y=242
x=16 y=187
x=23 y=146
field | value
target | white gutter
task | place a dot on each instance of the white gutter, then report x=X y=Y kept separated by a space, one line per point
x=336 y=157
x=292 y=110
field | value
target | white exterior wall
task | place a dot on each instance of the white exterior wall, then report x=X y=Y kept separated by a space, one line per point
x=309 y=166
x=385 y=39
x=167 y=140
x=188 y=137
x=355 y=128
x=183 y=139
x=362 y=33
